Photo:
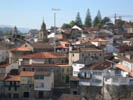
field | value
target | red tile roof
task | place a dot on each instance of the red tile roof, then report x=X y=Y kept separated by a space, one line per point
x=12 y=78
x=61 y=46
x=4 y=66
x=47 y=65
x=43 y=55
x=98 y=40
x=27 y=74
x=64 y=42
x=22 y=49
x=125 y=69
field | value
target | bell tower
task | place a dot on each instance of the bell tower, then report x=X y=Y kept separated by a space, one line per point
x=43 y=33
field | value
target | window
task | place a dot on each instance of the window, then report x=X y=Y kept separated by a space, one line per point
x=9 y=95
x=15 y=95
x=10 y=83
x=15 y=88
x=97 y=73
x=40 y=94
x=26 y=95
x=96 y=81
x=39 y=77
x=62 y=70
x=73 y=54
x=23 y=69
x=9 y=88
x=67 y=69
x=33 y=69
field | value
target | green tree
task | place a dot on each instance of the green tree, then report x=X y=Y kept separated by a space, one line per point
x=120 y=22
x=78 y=20
x=105 y=20
x=99 y=16
x=7 y=32
x=88 y=22
x=72 y=23
x=65 y=26
x=96 y=21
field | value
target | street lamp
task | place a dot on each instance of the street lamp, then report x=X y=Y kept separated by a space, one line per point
x=55 y=10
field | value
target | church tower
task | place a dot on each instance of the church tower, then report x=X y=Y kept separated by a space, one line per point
x=43 y=33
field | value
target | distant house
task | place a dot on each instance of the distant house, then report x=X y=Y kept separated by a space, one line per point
x=76 y=33
x=128 y=42
x=63 y=47
x=93 y=75
x=3 y=54
x=43 y=84
x=86 y=56
x=12 y=86
x=26 y=84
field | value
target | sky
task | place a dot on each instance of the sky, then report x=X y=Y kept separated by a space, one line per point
x=30 y=13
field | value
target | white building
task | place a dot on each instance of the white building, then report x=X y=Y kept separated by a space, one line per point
x=43 y=81
x=93 y=75
x=76 y=68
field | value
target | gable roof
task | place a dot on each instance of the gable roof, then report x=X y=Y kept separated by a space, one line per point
x=21 y=48
x=38 y=45
x=76 y=27
x=98 y=40
x=43 y=55
x=98 y=66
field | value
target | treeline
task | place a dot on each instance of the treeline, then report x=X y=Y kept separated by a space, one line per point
x=98 y=21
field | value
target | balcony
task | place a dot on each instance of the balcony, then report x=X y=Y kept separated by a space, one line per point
x=85 y=82
x=116 y=81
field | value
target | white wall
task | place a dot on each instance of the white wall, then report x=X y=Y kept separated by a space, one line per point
x=43 y=84
x=76 y=68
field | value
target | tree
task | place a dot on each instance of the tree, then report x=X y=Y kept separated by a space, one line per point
x=99 y=16
x=96 y=21
x=72 y=23
x=65 y=26
x=78 y=20
x=105 y=20
x=120 y=22
x=6 y=32
x=88 y=22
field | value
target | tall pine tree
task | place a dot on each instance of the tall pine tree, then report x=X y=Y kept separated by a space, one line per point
x=99 y=16
x=96 y=21
x=78 y=20
x=88 y=21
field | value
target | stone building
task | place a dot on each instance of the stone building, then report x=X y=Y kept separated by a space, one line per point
x=43 y=33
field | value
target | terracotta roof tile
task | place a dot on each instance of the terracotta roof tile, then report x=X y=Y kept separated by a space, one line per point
x=21 y=48
x=125 y=69
x=43 y=55
x=27 y=74
x=4 y=66
x=98 y=40
x=12 y=78
x=46 y=65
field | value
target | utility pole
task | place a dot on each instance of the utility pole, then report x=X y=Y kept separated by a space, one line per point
x=55 y=10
